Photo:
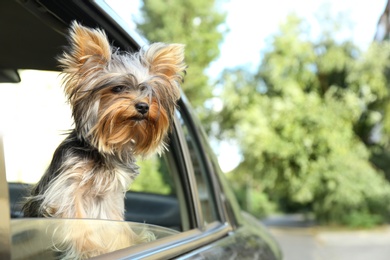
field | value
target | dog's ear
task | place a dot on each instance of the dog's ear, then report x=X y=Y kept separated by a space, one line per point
x=85 y=43
x=166 y=59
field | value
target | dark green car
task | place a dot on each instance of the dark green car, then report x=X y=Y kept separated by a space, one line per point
x=181 y=196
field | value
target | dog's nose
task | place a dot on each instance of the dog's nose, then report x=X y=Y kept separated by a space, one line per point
x=142 y=107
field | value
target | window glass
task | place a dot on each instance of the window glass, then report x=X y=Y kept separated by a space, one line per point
x=200 y=171
x=59 y=238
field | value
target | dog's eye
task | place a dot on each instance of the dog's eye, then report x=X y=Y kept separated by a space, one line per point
x=142 y=88
x=118 y=89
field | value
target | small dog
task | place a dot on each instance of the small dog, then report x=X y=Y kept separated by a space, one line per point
x=122 y=105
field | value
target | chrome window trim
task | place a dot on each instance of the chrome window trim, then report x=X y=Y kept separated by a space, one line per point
x=172 y=246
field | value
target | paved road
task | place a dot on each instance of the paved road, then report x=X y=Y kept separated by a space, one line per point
x=301 y=240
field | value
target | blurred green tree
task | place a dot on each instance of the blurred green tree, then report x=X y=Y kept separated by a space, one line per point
x=303 y=122
x=154 y=177
x=196 y=23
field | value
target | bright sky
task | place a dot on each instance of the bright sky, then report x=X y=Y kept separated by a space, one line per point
x=252 y=22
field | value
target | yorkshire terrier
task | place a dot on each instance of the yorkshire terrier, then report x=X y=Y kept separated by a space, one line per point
x=122 y=105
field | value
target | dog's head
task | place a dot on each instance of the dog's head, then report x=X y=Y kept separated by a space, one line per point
x=121 y=101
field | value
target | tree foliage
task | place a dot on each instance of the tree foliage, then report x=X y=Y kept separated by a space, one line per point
x=153 y=177
x=304 y=123
x=195 y=23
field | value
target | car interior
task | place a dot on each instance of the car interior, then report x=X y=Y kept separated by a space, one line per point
x=33 y=33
